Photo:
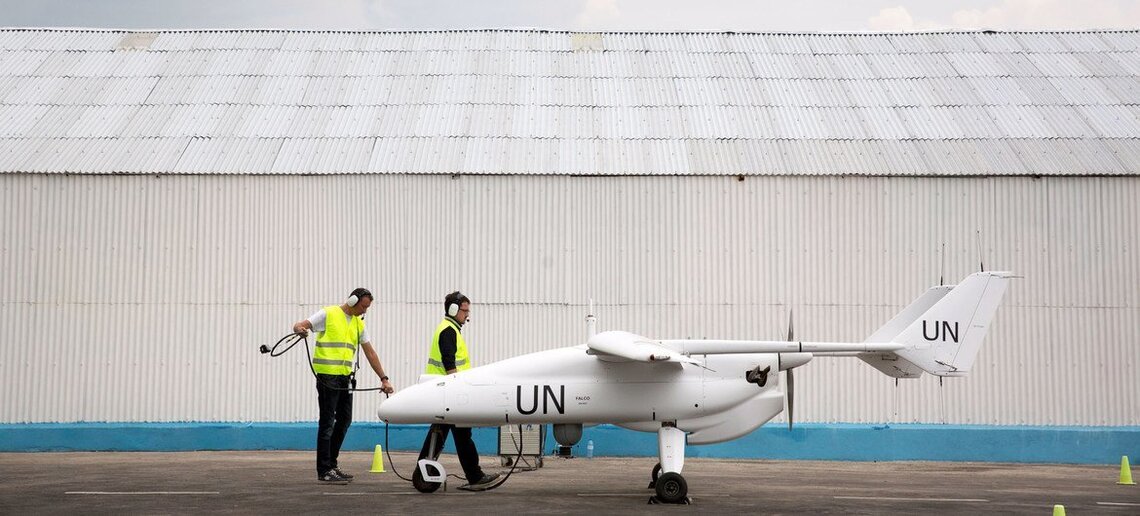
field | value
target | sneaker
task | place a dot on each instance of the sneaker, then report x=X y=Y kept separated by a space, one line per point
x=343 y=474
x=482 y=483
x=331 y=477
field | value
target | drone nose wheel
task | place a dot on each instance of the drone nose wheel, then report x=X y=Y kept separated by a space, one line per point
x=422 y=485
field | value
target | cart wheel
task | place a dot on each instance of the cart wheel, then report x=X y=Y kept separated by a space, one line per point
x=422 y=485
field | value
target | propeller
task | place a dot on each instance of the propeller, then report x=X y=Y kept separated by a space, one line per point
x=791 y=382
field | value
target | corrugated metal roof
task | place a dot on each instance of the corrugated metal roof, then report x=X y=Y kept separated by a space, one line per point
x=550 y=102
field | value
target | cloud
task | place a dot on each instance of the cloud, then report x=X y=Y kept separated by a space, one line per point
x=1018 y=15
x=326 y=14
x=1051 y=14
x=597 y=14
x=892 y=19
x=898 y=19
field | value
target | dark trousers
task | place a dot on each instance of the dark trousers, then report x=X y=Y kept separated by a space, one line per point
x=336 y=415
x=464 y=447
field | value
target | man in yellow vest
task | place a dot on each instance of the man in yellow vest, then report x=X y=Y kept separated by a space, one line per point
x=340 y=331
x=448 y=355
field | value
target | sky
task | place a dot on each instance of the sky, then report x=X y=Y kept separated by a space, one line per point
x=578 y=15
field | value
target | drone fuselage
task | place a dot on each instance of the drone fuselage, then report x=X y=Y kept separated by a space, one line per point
x=568 y=385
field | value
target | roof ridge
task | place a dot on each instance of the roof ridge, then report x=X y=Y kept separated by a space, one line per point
x=568 y=31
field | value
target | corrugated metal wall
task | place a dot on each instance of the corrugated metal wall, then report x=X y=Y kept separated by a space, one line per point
x=144 y=298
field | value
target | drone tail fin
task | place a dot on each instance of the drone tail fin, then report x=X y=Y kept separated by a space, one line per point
x=944 y=340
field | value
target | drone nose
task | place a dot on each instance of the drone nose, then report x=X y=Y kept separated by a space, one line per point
x=420 y=403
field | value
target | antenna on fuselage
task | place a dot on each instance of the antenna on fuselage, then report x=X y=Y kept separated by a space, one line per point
x=591 y=321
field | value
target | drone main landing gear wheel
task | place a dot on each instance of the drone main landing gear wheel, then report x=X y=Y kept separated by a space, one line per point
x=671 y=488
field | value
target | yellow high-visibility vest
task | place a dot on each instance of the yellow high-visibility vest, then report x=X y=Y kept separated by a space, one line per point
x=435 y=359
x=337 y=344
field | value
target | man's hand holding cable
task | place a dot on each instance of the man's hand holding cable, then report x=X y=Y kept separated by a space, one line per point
x=374 y=361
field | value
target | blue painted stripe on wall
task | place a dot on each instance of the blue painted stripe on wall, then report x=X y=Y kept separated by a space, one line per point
x=1076 y=445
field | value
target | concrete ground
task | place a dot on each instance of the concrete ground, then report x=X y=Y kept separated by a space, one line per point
x=285 y=482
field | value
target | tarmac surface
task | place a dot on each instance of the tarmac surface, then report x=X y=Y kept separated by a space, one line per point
x=285 y=482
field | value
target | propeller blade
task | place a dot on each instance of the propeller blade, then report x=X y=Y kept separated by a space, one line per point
x=791 y=383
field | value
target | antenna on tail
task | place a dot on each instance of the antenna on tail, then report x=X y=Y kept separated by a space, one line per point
x=981 y=262
x=942 y=268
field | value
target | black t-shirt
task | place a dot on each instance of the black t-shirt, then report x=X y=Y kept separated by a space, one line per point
x=447 y=348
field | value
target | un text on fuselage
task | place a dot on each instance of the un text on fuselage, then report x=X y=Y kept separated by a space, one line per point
x=940 y=330
x=550 y=400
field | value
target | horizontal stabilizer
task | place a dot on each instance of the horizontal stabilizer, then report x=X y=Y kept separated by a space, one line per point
x=891 y=365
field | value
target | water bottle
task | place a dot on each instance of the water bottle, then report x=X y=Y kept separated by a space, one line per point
x=590 y=449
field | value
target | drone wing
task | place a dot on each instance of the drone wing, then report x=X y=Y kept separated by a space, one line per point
x=620 y=346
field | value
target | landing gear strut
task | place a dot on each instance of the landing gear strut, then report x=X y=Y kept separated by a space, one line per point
x=668 y=483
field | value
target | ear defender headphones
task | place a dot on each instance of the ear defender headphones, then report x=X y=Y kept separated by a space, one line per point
x=355 y=296
x=452 y=301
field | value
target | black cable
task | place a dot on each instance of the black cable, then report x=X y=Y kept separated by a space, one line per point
x=291 y=340
x=296 y=337
x=513 y=466
x=501 y=481
x=388 y=451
